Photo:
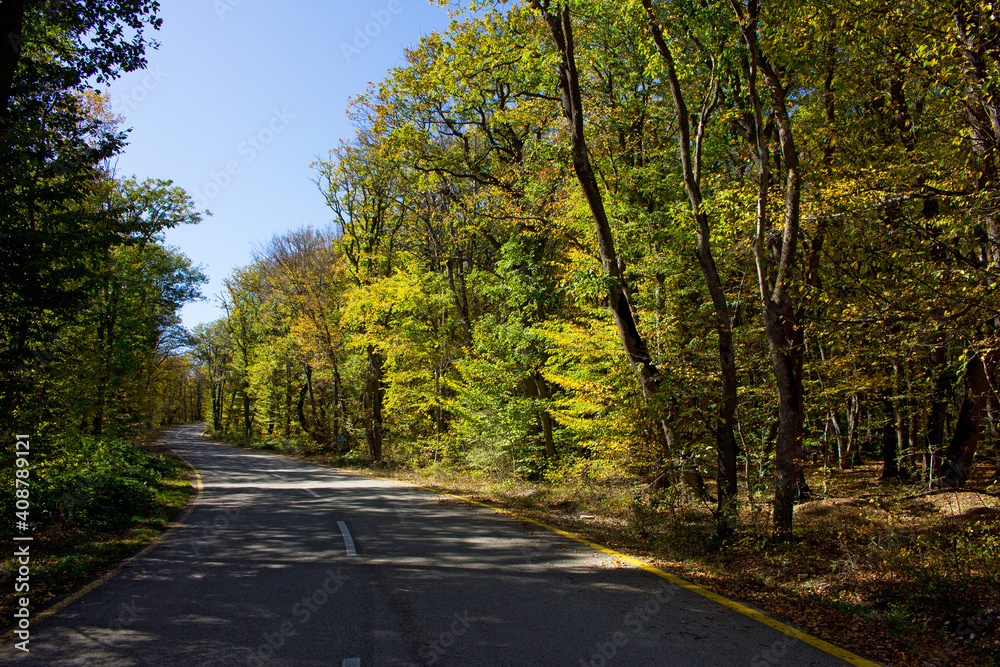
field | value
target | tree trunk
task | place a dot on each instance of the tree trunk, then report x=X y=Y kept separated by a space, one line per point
x=633 y=344
x=940 y=394
x=543 y=393
x=316 y=428
x=106 y=338
x=460 y=296
x=247 y=420
x=846 y=460
x=287 y=425
x=636 y=350
x=785 y=334
x=11 y=28
x=219 y=406
x=890 y=441
x=724 y=428
x=902 y=412
x=978 y=33
x=213 y=391
x=200 y=398
x=343 y=410
x=375 y=394
x=231 y=412
x=992 y=421
x=786 y=359
x=300 y=407
x=838 y=432
x=962 y=449
x=337 y=412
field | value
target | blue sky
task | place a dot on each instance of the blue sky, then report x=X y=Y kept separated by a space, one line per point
x=238 y=101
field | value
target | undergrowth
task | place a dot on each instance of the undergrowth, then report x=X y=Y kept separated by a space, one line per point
x=93 y=502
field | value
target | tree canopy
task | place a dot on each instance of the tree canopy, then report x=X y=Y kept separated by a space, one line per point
x=658 y=239
x=89 y=312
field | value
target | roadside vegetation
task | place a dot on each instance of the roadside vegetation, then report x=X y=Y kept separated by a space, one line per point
x=92 y=359
x=94 y=502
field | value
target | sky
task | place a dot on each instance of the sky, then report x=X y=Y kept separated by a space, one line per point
x=241 y=98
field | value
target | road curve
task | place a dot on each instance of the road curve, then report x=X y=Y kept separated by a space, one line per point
x=282 y=562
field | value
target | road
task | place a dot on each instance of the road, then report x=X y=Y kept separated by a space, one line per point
x=281 y=562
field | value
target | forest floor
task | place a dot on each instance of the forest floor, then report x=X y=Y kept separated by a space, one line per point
x=882 y=568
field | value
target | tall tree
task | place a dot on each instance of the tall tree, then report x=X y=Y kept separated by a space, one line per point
x=690 y=152
x=559 y=19
x=776 y=280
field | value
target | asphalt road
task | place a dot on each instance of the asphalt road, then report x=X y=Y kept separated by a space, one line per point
x=281 y=562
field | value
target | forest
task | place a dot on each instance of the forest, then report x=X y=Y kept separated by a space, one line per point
x=715 y=244
x=703 y=262
x=711 y=270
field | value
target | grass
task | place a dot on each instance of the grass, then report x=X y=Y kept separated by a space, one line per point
x=66 y=555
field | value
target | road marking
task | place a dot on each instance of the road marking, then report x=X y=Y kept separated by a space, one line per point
x=816 y=642
x=277 y=475
x=314 y=493
x=349 y=545
x=177 y=436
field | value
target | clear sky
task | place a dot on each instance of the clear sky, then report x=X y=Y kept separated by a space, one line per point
x=238 y=101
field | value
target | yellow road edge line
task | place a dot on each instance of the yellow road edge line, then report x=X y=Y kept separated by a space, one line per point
x=120 y=565
x=815 y=642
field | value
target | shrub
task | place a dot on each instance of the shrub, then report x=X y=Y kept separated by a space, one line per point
x=83 y=480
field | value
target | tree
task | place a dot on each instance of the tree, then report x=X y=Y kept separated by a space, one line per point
x=690 y=153
x=66 y=43
x=243 y=304
x=57 y=213
x=213 y=352
x=784 y=331
x=559 y=20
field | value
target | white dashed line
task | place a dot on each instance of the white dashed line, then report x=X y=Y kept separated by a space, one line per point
x=351 y=662
x=349 y=545
x=313 y=492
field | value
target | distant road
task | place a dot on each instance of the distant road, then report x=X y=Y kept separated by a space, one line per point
x=282 y=562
